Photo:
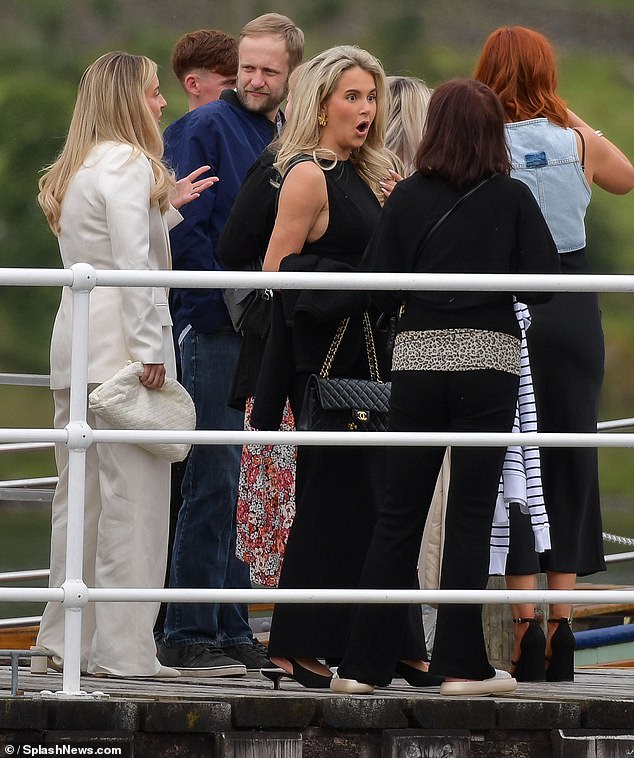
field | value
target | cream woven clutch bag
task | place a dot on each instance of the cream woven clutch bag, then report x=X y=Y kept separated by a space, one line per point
x=124 y=403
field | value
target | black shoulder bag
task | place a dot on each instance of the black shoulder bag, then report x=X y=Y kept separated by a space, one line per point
x=341 y=404
x=250 y=309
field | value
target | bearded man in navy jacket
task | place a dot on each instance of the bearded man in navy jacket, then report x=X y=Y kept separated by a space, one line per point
x=215 y=639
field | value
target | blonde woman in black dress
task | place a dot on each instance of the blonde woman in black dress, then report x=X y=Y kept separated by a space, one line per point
x=332 y=158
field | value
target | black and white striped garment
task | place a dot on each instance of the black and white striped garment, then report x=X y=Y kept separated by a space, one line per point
x=521 y=480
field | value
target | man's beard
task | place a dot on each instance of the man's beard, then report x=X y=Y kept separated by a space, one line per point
x=259 y=104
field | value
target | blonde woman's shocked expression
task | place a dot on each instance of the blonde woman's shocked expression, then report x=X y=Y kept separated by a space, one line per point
x=349 y=111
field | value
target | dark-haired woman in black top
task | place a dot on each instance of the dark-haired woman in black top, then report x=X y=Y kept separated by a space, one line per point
x=455 y=368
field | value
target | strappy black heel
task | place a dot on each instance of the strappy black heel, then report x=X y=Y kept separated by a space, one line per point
x=301 y=675
x=531 y=665
x=417 y=678
x=562 y=652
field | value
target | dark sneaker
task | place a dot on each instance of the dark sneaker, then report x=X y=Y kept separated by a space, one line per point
x=254 y=656
x=200 y=660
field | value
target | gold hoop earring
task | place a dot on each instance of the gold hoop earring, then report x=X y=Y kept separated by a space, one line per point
x=322 y=119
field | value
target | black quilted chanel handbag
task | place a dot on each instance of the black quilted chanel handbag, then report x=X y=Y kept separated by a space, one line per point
x=342 y=404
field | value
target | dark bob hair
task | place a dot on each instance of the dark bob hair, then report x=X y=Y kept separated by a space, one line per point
x=464 y=134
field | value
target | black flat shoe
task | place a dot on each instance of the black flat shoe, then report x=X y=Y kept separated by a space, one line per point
x=301 y=675
x=562 y=656
x=417 y=678
x=531 y=665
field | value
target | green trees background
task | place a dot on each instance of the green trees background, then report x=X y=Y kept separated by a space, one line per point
x=46 y=44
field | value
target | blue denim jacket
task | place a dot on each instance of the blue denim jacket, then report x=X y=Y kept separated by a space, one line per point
x=544 y=156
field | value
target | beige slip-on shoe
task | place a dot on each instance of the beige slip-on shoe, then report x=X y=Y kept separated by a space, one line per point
x=496 y=685
x=350 y=686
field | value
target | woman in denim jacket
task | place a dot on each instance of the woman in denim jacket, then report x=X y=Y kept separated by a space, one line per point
x=559 y=157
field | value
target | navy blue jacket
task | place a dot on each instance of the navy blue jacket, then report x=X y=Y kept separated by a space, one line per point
x=229 y=138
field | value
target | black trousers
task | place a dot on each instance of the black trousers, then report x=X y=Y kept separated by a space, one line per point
x=434 y=401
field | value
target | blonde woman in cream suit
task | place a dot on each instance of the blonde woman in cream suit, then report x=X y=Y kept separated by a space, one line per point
x=110 y=201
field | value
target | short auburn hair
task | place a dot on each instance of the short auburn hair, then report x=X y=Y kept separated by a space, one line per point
x=207 y=49
x=519 y=66
x=464 y=134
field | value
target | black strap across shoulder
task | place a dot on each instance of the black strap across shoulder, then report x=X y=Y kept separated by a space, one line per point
x=460 y=200
x=583 y=150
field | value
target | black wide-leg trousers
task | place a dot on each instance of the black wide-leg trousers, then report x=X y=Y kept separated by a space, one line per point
x=469 y=401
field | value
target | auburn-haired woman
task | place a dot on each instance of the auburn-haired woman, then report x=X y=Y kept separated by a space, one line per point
x=107 y=200
x=559 y=157
x=455 y=368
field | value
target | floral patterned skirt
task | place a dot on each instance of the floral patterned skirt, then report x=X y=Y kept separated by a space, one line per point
x=266 y=502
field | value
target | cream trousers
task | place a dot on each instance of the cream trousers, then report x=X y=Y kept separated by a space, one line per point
x=126 y=528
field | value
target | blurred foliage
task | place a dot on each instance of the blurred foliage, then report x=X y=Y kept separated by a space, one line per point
x=46 y=44
x=24 y=544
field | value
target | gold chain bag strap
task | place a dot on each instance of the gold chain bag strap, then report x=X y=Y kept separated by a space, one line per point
x=338 y=404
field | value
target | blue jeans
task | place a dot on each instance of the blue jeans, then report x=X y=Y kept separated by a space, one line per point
x=204 y=544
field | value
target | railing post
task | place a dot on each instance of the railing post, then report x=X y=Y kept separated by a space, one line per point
x=78 y=441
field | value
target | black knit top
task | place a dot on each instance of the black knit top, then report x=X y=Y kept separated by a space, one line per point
x=499 y=229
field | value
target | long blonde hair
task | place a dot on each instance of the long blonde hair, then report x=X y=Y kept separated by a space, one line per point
x=111 y=104
x=409 y=98
x=316 y=81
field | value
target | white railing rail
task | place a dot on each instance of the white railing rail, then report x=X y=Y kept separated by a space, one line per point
x=71 y=593
x=26 y=575
x=82 y=276
x=78 y=436
x=82 y=437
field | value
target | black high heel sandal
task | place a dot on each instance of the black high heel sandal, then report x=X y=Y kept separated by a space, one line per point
x=301 y=675
x=562 y=652
x=417 y=678
x=531 y=665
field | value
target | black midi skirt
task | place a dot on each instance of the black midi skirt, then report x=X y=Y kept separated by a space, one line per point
x=339 y=491
x=566 y=348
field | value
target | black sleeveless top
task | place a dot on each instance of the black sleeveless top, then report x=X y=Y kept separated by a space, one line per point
x=353 y=212
x=304 y=322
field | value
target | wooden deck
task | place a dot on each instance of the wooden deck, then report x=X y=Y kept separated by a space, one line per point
x=245 y=717
x=597 y=684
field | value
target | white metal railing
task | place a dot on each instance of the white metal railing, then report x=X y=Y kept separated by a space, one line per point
x=23 y=576
x=84 y=277
x=78 y=436
x=25 y=447
x=31 y=380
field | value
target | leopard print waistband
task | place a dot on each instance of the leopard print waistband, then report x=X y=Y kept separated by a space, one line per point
x=456 y=350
